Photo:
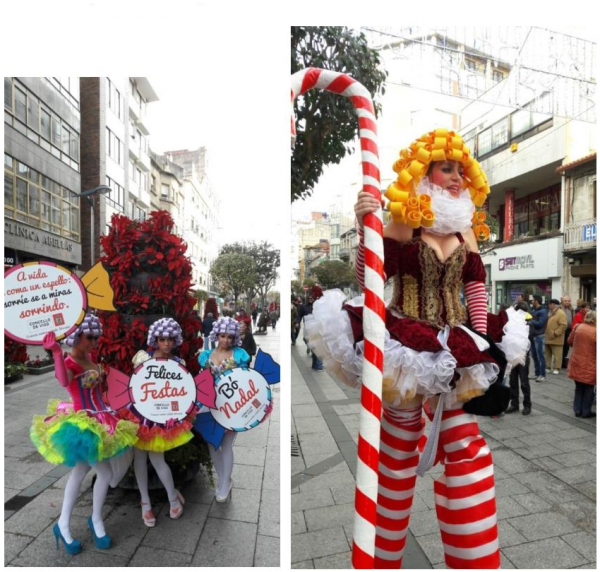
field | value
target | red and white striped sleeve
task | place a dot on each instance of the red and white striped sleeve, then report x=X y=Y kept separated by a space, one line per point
x=477 y=305
x=359 y=267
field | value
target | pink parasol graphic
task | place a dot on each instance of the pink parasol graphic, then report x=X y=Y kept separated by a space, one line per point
x=365 y=515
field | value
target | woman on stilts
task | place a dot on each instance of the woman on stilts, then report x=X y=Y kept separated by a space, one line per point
x=437 y=357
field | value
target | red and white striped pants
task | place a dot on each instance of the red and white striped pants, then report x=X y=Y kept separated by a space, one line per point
x=464 y=493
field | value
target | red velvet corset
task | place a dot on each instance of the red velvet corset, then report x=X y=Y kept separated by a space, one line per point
x=425 y=288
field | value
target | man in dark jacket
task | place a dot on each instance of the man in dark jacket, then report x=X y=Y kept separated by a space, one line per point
x=539 y=320
x=520 y=373
x=207 y=325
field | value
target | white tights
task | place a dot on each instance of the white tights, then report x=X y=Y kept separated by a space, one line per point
x=163 y=471
x=222 y=460
x=103 y=477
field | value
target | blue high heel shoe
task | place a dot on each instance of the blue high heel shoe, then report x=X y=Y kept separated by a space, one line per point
x=73 y=548
x=104 y=542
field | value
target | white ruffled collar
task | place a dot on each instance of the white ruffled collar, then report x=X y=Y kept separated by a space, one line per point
x=452 y=214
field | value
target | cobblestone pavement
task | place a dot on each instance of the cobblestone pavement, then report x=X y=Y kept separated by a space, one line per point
x=243 y=532
x=545 y=468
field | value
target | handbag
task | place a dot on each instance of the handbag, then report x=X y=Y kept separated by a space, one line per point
x=496 y=398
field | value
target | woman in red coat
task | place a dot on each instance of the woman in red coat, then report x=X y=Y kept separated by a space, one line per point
x=582 y=365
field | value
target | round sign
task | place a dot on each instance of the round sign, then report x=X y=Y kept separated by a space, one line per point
x=42 y=297
x=162 y=389
x=243 y=399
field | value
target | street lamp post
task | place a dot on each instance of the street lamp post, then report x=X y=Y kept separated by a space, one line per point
x=89 y=195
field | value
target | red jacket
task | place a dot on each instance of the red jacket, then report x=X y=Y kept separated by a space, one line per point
x=578 y=318
x=582 y=363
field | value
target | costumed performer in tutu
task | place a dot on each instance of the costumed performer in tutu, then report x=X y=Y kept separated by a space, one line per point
x=82 y=433
x=435 y=354
x=155 y=438
x=226 y=355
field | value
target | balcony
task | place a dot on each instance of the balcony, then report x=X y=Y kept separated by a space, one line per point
x=345 y=254
x=580 y=235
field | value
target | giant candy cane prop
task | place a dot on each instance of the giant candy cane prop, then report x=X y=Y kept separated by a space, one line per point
x=363 y=552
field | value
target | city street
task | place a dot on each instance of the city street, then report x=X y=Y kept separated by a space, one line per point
x=545 y=469
x=243 y=532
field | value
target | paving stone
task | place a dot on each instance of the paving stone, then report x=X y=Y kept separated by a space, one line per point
x=542 y=525
x=267 y=552
x=312 y=460
x=307 y=425
x=308 y=410
x=307 y=564
x=318 y=544
x=590 y=566
x=328 y=517
x=179 y=535
x=548 y=464
x=575 y=475
x=16 y=480
x=250 y=456
x=432 y=545
x=575 y=458
x=298 y=523
x=269 y=515
x=548 y=487
x=313 y=499
x=583 y=542
x=588 y=444
x=271 y=475
x=505 y=561
x=532 y=503
x=336 y=561
x=588 y=489
x=226 y=543
x=343 y=495
x=312 y=444
x=247 y=477
x=422 y=523
x=551 y=553
x=537 y=428
x=509 y=487
x=544 y=450
x=243 y=506
x=329 y=480
x=14 y=544
x=511 y=462
x=508 y=535
x=507 y=507
x=147 y=556
x=581 y=513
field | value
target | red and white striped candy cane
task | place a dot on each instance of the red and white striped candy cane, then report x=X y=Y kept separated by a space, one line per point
x=363 y=552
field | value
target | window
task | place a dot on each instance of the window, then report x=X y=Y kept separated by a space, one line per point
x=484 y=142
x=164 y=191
x=33 y=110
x=8 y=93
x=45 y=120
x=497 y=75
x=116 y=197
x=114 y=147
x=20 y=105
x=500 y=133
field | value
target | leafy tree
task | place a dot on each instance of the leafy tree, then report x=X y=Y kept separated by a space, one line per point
x=326 y=122
x=334 y=274
x=267 y=260
x=235 y=273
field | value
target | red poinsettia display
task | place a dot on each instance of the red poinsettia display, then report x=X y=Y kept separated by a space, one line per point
x=151 y=278
x=211 y=308
x=14 y=352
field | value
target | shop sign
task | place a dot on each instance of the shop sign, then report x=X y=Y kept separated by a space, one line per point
x=589 y=232
x=516 y=263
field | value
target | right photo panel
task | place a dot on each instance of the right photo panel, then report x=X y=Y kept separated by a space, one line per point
x=443 y=297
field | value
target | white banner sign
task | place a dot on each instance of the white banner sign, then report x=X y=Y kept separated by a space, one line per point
x=243 y=399
x=162 y=389
x=42 y=297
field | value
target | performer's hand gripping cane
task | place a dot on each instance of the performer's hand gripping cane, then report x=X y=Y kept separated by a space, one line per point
x=374 y=313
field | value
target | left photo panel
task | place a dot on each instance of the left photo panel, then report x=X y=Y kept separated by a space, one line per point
x=141 y=348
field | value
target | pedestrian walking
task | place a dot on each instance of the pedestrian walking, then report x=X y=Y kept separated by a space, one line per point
x=294 y=320
x=263 y=322
x=207 y=325
x=538 y=322
x=273 y=317
x=582 y=365
x=554 y=337
x=430 y=362
x=82 y=433
x=244 y=317
x=520 y=373
x=582 y=310
x=565 y=305
x=254 y=316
